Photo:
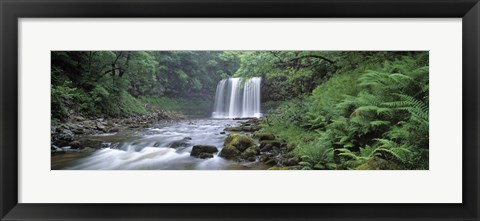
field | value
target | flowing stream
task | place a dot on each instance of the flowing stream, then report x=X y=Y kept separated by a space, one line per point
x=165 y=146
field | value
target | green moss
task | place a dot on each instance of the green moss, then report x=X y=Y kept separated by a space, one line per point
x=378 y=164
x=364 y=166
x=250 y=153
x=230 y=138
x=239 y=141
x=264 y=136
x=229 y=152
x=233 y=129
x=273 y=143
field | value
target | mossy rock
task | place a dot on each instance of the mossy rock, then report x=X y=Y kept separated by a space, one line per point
x=250 y=153
x=199 y=149
x=229 y=152
x=250 y=128
x=266 y=148
x=290 y=162
x=239 y=141
x=377 y=163
x=264 y=136
x=272 y=143
x=233 y=129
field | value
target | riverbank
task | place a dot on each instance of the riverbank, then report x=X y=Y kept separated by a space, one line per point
x=269 y=149
x=63 y=133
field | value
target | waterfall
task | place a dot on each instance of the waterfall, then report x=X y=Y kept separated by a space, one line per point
x=237 y=97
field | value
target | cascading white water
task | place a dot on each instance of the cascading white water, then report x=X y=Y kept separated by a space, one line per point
x=232 y=109
x=232 y=99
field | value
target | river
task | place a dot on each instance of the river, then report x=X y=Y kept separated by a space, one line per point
x=164 y=146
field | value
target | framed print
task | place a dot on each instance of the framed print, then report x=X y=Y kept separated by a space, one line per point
x=311 y=110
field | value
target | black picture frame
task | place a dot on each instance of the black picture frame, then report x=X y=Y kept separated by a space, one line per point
x=12 y=10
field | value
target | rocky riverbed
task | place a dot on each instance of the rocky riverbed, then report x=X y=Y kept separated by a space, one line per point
x=153 y=143
x=72 y=131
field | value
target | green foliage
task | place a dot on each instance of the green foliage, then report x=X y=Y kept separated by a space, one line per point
x=62 y=98
x=315 y=155
x=367 y=113
x=115 y=83
x=287 y=74
x=123 y=104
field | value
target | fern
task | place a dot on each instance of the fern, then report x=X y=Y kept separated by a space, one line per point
x=347 y=153
x=377 y=123
x=415 y=107
x=367 y=151
x=400 y=153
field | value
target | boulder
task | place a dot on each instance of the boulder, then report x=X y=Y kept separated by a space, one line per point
x=233 y=129
x=239 y=147
x=75 y=144
x=229 y=152
x=377 y=163
x=290 y=162
x=205 y=155
x=199 y=149
x=101 y=126
x=264 y=136
x=239 y=141
x=250 y=128
x=268 y=145
x=66 y=135
x=243 y=128
x=250 y=153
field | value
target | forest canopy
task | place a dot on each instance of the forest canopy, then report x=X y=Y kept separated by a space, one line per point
x=118 y=83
